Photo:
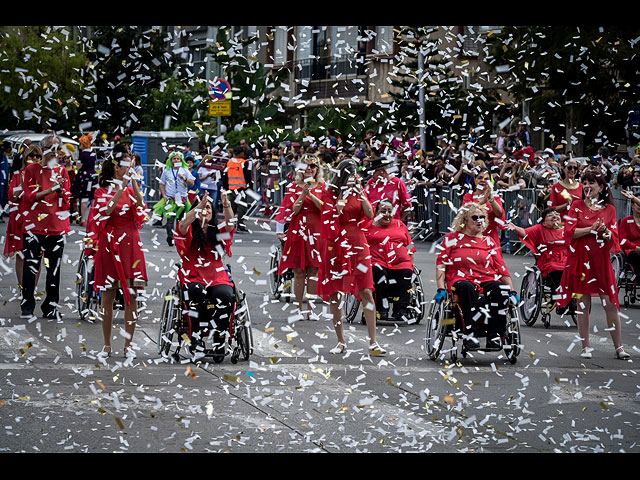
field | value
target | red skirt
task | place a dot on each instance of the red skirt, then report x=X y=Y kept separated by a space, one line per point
x=14 y=234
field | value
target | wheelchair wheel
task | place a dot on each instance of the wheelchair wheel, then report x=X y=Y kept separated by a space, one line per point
x=531 y=295
x=350 y=307
x=436 y=329
x=243 y=336
x=275 y=280
x=168 y=322
x=418 y=304
x=512 y=341
x=617 y=263
x=87 y=300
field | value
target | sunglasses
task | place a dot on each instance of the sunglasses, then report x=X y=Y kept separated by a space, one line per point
x=477 y=218
x=572 y=168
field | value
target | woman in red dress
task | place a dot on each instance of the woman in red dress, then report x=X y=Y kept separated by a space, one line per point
x=547 y=241
x=566 y=190
x=301 y=208
x=468 y=265
x=15 y=226
x=201 y=243
x=118 y=213
x=389 y=241
x=496 y=216
x=346 y=260
x=591 y=229
x=629 y=234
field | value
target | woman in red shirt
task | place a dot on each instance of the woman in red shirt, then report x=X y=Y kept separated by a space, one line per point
x=547 y=241
x=201 y=244
x=301 y=208
x=118 y=213
x=469 y=264
x=496 y=216
x=629 y=234
x=591 y=229
x=389 y=242
x=346 y=261
x=568 y=189
x=384 y=186
x=46 y=198
x=17 y=210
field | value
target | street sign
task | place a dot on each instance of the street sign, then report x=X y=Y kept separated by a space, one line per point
x=219 y=89
x=220 y=108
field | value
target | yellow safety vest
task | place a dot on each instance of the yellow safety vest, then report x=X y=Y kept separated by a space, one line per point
x=235 y=173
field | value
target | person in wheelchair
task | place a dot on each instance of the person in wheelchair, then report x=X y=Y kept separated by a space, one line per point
x=470 y=267
x=208 y=290
x=629 y=233
x=391 y=261
x=546 y=240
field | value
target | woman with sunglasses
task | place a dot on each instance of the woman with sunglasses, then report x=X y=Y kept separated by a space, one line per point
x=392 y=260
x=15 y=227
x=468 y=266
x=346 y=259
x=301 y=208
x=591 y=229
x=567 y=189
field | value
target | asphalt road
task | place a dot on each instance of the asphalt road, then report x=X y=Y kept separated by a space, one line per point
x=293 y=395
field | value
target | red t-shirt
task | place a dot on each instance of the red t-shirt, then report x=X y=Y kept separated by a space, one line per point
x=474 y=259
x=557 y=197
x=203 y=266
x=393 y=190
x=389 y=246
x=629 y=234
x=551 y=246
x=49 y=215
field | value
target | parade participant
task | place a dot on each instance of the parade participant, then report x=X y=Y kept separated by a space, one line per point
x=383 y=185
x=547 y=241
x=46 y=200
x=567 y=189
x=629 y=234
x=195 y=190
x=174 y=186
x=17 y=211
x=209 y=177
x=84 y=184
x=201 y=243
x=346 y=261
x=118 y=215
x=591 y=229
x=237 y=179
x=469 y=265
x=484 y=195
x=392 y=261
x=301 y=208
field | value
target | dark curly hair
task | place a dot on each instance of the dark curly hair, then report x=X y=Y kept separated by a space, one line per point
x=200 y=239
x=594 y=174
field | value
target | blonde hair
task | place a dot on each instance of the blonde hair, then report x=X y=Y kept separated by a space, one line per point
x=464 y=213
x=309 y=159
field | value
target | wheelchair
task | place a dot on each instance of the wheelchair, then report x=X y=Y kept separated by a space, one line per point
x=175 y=327
x=87 y=299
x=626 y=278
x=417 y=304
x=537 y=299
x=279 y=285
x=445 y=321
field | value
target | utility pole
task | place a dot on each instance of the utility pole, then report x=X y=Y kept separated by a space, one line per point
x=420 y=76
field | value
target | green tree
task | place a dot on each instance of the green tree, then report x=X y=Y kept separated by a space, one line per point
x=580 y=80
x=42 y=78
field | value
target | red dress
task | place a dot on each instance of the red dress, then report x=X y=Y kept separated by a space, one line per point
x=303 y=245
x=15 y=224
x=472 y=259
x=557 y=197
x=119 y=259
x=388 y=246
x=629 y=234
x=393 y=189
x=202 y=266
x=549 y=244
x=588 y=269
x=346 y=260
x=493 y=223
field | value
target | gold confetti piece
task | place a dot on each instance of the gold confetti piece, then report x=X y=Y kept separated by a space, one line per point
x=24 y=399
x=135 y=264
x=584 y=409
x=186 y=338
x=449 y=399
x=604 y=405
x=3 y=403
x=120 y=424
x=101 y=385
x=256 y=271
x=102 y=410
x=191 y=372
x=270 y=329
x=232 y=378
x=274 y=360
x=532 y=354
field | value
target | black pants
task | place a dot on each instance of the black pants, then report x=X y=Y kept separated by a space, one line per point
x=389 y=284
x=634 y=260
x=240 y=202
x=476 y=320
x=35 y=248
x=209 y=307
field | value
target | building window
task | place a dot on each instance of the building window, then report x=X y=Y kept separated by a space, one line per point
x=384 y=41
x=280 y=45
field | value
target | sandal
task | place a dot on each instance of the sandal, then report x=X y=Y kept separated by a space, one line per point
x=376 y=349
x=104 y=353
x=621 y=354
x=586 y=352
x=129 y=353
x=338 y=349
